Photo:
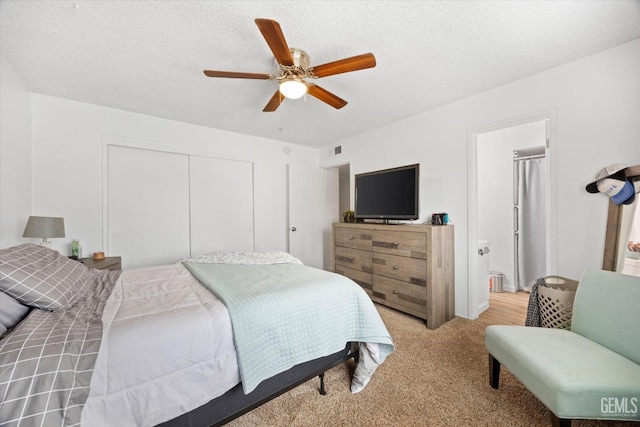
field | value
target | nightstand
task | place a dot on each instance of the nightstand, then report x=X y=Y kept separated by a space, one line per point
x=108 y=263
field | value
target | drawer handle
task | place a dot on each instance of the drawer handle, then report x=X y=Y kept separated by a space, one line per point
x=396 y=292
x=350 y=258
x=395 y=243
x=351 y=238
x=395 y=267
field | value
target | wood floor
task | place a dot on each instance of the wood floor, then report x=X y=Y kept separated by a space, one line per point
x=506 y=308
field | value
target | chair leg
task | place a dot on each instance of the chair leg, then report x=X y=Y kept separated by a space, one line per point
x=559 y=422
x=494 y=372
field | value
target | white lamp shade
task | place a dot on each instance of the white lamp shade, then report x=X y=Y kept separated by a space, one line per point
x=44 y=227
x=293 y=88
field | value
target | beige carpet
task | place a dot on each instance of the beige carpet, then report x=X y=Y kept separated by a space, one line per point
x=434 y=378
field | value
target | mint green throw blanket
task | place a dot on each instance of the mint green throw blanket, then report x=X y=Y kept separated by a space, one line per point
x=286 y=314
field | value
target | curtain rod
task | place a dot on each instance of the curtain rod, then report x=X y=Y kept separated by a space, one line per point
x=536 y=156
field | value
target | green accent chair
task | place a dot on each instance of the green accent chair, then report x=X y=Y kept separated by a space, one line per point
x=589 y=372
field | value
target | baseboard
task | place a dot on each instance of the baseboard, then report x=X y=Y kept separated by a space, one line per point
x=482 y=307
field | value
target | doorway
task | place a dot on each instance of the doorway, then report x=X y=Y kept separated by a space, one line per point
x=529 y=216
x=344 y=189
x=338 y=201
x=492 y=188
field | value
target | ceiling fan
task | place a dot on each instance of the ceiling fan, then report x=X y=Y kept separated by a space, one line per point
x=294 y=68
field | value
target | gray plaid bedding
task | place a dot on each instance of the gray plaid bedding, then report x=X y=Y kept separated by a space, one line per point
x=46 y=362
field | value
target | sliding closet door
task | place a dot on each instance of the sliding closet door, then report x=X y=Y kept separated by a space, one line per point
x=148 y=206
x=221 y=205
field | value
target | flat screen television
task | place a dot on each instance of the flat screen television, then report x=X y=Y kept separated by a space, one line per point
x=388 y=194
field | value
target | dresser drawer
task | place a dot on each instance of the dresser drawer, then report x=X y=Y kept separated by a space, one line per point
x=401 y=295
x=353 y=238
x=403 y=243
x=360 y=277
x=401 y=268
x=354 y=258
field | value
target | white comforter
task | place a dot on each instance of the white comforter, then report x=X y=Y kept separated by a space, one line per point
x=167 y=349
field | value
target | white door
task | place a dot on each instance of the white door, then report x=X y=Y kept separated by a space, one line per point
x=148 y=206
x=221 y=205
x=307 y=208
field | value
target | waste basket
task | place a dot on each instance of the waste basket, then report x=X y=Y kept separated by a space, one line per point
x=495 y=281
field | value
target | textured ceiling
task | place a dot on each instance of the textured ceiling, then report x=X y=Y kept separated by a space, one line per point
x=148 y=56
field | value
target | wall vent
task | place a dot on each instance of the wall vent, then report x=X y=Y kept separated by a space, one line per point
x=337 y=150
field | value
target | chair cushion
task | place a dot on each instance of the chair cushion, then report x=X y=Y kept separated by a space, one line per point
x=606 y=311
x=570 y=374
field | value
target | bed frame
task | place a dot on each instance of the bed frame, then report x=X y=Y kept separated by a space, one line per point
x=235 y=403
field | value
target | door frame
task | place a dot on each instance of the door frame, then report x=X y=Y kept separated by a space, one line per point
x=550 y=116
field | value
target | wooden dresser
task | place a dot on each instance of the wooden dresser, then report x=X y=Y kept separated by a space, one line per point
x=406 y=267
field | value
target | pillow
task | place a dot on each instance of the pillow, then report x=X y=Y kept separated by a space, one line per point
x=11 y=311
x=41 y=277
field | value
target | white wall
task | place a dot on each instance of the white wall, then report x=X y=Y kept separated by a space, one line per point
x=597 y=101
x=495 y=191
x=68 y=160
x=15 y=156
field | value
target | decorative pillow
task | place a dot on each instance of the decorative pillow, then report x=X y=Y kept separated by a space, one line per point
x=41 y=277
x=11 y=311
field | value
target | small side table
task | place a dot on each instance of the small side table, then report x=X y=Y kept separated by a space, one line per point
x=108 y=263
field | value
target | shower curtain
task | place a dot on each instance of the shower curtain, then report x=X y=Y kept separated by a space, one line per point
x=530 y=226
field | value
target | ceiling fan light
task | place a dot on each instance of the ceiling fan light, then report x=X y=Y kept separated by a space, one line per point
x=293 y=88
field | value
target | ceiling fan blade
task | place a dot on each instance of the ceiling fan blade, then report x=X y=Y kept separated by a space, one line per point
x=326 y=96
x=274 y=102
x=234 y=75
x=355 y=63
x=272 y=33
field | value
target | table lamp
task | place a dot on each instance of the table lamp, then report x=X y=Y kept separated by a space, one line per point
x=45 y=227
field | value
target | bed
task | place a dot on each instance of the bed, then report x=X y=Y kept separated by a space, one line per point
x=194 y=343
